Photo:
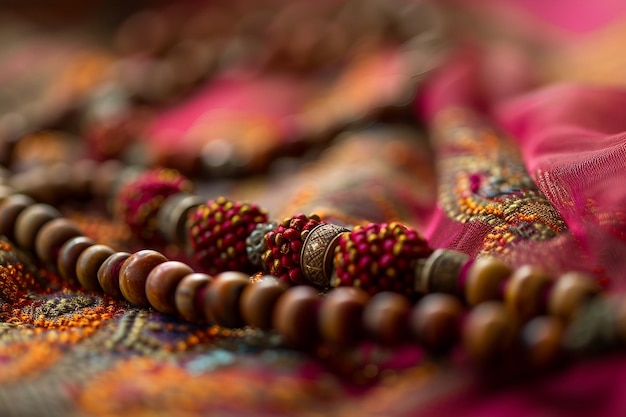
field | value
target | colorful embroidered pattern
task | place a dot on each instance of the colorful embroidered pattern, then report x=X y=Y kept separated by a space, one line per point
x=483 y=179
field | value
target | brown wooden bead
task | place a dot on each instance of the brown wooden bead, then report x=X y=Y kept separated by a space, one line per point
x=52 y=237
x=542 y=337
x=340 y=315
x=30 y=221
x=189 y=296
x=524 y=292
x=161 y=285
x=435 y=322
x=296 y=317
x=9 y=210
x=88 y=264
x=570 y=292
x=221 y=299
x=109 y=274
x=258 y=301
x=484 y=280
x=134 y=273
x=488 y=332
x=385 y=318
x=68 y=256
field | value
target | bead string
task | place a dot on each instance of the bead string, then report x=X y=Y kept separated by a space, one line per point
x=506 y=306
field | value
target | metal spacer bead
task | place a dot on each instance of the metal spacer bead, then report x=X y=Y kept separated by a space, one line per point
x=255 y=242
x=316 y=260
x=440 y=272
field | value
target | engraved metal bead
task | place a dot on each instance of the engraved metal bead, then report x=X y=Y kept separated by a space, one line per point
x=318 y=249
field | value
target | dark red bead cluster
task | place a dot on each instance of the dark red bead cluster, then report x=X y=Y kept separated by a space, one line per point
x=218 y=232
x=139 y=201
x=284 y=246
x=379 y=257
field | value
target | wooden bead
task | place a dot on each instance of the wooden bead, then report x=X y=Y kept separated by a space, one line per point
x=88 y=264
x=258 y=301
x=109 y=274
x=221 y=299
x=161 y=285
x=68 y=256
x=385 y=318
x=570 y=292
x=296 y=317
x=52 y=237
x=484 y=280
x=525 y=290
x=435 y=322
x=541 y=338
x=9 y=210
x=340 y=315
x=30 y=221
x=189 y=296
x=134 y=273
x=488 y=332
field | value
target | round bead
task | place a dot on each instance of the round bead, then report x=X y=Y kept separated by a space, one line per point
x=30 y=221
x=138 y=200
x=484 y=280
x=68 y=256
x=172 y=216
x=161 y=285
x=258 y=301
x=440 y=272
x=296 y=317
x=542 y=337
x=385 y=318
x=524 y=292
x=570 y=292
x=52 y=237
x=88 y=264
x=435 y=321
x=133 y=275
x=488 y=332
x=9 y=210
x=109 y=274
x=189 y=296
x=340 y=315
x=221 y=299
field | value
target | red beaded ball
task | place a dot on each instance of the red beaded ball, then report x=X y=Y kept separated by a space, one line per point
x=139 y=200
x=284 y=245
x=379 y=257
x=217 y=234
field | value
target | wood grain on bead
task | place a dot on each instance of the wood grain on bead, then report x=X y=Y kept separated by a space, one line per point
x=222 y=299
x=89 y=263
x=296 y=317
x=488 y=332
x=258 y=301
x=435 y=322
x=68 y=256
x=9 y=211
x=134 y=273
x=52 y=236
x=570 y=292
x=109 y=274
x=484 y=280
x=525 y=290
x=161 y=285
x=189 y=296
x=541 y=338
x=30 y=221
x=341 y=315
x=385 y=318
